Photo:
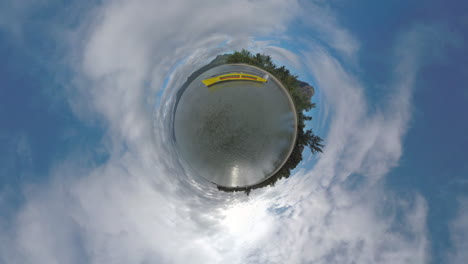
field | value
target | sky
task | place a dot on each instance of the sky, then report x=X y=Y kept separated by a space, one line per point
x=88 y=173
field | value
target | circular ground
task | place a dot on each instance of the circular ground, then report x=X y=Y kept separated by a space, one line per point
x=235 y=133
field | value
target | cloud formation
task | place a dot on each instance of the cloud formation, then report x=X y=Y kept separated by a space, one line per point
x=140 y=206
x=459 y=234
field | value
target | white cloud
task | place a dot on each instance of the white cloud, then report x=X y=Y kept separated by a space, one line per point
x=139 y=207
x=318 y=17
x=284 y=55
x=459 y=234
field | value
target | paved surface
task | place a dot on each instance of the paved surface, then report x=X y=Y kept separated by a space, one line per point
x=235 y=133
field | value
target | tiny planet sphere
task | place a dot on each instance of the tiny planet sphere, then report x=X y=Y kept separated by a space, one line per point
x=235 y=125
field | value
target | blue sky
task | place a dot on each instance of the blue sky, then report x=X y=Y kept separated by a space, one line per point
x=87 y=174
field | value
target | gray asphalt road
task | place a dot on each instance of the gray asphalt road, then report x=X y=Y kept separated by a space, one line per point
x=235 y=133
